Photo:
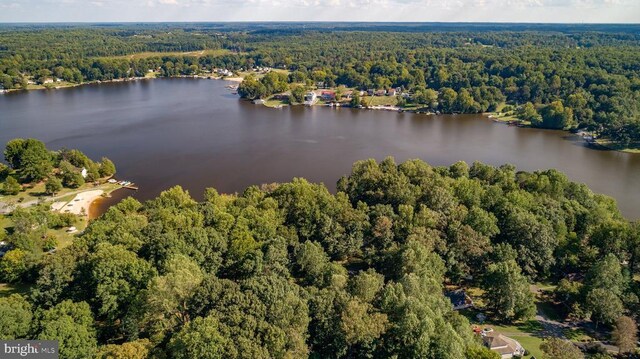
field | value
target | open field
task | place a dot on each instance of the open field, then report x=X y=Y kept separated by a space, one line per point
x=379 y=101
x=146 y=55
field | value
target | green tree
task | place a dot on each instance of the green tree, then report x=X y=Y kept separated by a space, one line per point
x=138 y=349
x=297 y=94
x=167 y=295
x=604 y=305
x=555 y=348
x=11 y=186
x=200 y=338
x=34 y=160
x=556 y=115
x=15 y=317
x=481 y=352
x=528 y=112
x=507 y=291
x=71 y=324
x=53 y=185
x=356 y=101
x=107 y=168
x=251 y=88
x=13 y=265
x=13 y=152
x=116 y=277
x=447 y=100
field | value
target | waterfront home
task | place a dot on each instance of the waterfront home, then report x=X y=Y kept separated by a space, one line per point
x=310 y=98
x=47 y=81
x=258 y=101
x=380 y=92
x=507 y=348
x=391 y=92
x=328 y=95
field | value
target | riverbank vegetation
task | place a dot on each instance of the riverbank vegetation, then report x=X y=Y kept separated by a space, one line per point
x=291 y=271
x=37 y=171
x=574 y=76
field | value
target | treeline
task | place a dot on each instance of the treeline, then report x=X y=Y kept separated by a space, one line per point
x=595 y=75
x=292 y=271
x=29 y=161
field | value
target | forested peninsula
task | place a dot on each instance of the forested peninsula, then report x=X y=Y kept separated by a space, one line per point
x=292 y=271
x=573 y=77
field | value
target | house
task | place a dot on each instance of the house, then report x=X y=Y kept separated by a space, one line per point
x=459 y=299
x=503 y=345
x=370 y=92
x=380 y=92
x=258 y=101
x=84 y=172
x=320 y=84
x=391 y=92
x=47 y=81
x=328 y=95
x=310 y=98
x=224 y=72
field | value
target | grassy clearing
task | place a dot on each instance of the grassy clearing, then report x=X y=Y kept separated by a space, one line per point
x=632 y=148
x=6 y=289
x=528 y=334
x=275 y=103
x=379 y=101
x=146 y=55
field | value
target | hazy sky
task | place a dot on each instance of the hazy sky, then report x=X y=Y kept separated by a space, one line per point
x=599 y=11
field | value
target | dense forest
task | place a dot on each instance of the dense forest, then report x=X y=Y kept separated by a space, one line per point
x=292 y=271
x=568 y=77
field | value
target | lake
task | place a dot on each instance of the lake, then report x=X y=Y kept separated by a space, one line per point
x=195 y=133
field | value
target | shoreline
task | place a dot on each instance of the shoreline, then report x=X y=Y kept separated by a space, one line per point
x=93 y=209
x=494 y=116
x=131 y=79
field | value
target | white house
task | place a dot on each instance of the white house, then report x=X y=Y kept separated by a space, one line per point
x=310 y=98
x=503 y=345
x=84 y=172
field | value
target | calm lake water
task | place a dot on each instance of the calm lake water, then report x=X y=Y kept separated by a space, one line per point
x=196 y=134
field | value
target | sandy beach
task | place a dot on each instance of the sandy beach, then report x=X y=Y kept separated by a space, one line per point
x=80 y=203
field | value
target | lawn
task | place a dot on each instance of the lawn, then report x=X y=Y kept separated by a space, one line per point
x=275 y=103
x=528 y=334
x=379 y=101
x=632 y=148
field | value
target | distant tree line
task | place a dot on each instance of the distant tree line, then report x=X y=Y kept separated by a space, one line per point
x=587 y=79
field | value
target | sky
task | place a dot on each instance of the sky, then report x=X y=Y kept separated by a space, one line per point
x=545 y=11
